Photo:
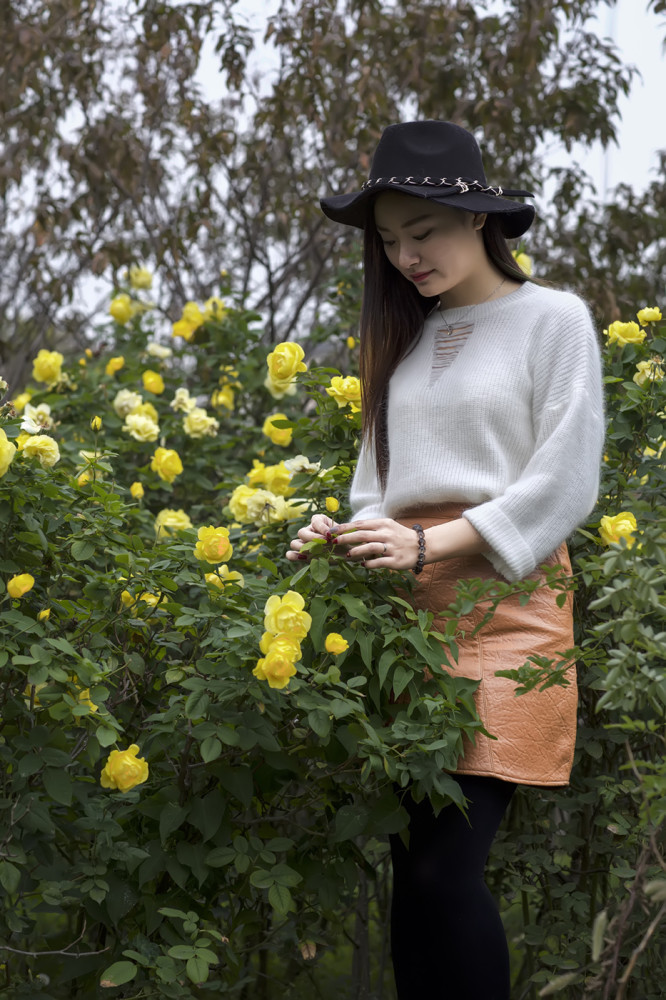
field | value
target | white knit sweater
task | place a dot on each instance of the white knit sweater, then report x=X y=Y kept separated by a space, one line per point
x=505 y=414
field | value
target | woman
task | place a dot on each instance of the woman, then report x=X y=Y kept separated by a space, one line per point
x=482 y=436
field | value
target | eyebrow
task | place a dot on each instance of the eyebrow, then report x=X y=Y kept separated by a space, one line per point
x=410 y=222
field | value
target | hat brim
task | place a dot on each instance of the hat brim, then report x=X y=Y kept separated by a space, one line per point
x=352 y=209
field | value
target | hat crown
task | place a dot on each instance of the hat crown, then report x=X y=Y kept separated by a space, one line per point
x=427 y=149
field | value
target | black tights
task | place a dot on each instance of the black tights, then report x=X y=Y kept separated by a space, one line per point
x=447 y=939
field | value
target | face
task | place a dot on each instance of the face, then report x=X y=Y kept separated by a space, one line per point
x=437 y=248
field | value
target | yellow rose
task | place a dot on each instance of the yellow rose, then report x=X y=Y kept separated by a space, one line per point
x=277 y=667
x=335 y=644
x=288 y=644
x=256 y=474
x=114 y=365
x=285 y=362
x=238 y=503
x=523 y=260
x=126 y=401
x=156 y=350
x=332 y=505
x=223 y=576
x=612 y=529
x=624 y=333
x=277 y=478
x=286 y=614
x=121 y=308
x=83 y=479
x=278 y=435
x=44 y=448
x=141 y=428
x=276 y=508
x=192 y=313
x=167 y=464
x=84 y=699
x=168 y=521
x=21 y=440
x=351 y=343
x=7 y=452
x=181 y=328
x=36 y=418
x=346 y=391
x=183 y=401
x=213 y=545
x=147 y=410
x=124 y=769
x=651 y=314
x=140 y=277
x=21 y=400
x=153 y=382
x=96 y=424
x=649 y=371
x=223 y=397
x=198 y=424
x=136 y=490
x=19 y=585
x=44 y=615
x=46 y=366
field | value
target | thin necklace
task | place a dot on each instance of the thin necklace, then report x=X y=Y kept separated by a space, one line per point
x=449 y=329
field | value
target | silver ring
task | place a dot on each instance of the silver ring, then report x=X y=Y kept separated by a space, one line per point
x=385 y=549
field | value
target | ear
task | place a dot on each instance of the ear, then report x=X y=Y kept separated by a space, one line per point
x=479 y=220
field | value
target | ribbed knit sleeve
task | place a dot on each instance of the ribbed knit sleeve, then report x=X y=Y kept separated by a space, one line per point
x=558 y=485
x=365 y=496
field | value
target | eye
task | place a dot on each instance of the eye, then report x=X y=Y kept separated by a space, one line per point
x=424 y=236
x=388 y=243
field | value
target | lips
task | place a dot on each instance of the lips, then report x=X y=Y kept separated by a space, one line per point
x=416 y=278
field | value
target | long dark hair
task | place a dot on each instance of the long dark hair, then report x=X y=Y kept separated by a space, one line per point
x=392 y=315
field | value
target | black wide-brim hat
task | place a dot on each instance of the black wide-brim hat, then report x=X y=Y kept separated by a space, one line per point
x=436 y=160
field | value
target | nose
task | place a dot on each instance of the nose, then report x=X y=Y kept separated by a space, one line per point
x=407 y=256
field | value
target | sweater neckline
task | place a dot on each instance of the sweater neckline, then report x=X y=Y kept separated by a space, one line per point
x=481 y=309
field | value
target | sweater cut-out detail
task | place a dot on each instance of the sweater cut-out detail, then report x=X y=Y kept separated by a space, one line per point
x=446 y=348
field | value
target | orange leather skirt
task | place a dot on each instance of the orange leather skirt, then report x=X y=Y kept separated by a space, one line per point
x=536 y=732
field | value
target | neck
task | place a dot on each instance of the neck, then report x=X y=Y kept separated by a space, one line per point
x=475 y=291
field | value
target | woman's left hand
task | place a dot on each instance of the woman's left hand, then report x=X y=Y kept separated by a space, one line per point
x=378 y=544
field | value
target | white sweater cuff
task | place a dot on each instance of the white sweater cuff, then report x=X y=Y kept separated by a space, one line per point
x=510 y=554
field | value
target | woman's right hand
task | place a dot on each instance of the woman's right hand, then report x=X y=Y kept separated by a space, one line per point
x=321 y=526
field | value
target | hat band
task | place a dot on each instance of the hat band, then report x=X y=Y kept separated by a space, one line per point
x=459 y=183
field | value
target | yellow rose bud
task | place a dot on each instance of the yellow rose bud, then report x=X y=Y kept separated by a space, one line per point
x=168 y=521
x=167 y=464
x=47 y=366
x=88 y=353
x=121 y=308
x=96 y=423
x=651 y=314
x=624 y=333
x=335 y=644
x=19 y=585
x=140 y=277
x=346 y=391
x=83 y=362
x=44 y=448
x=213 y=545
x=285 y=614
x=124 y=769
x=114 y=365
x=278 y=435
x=136 y=490
x=7 y=452
x=44 y=615
x=153 y=382
x=332 y=505
x=223 y=576
x=613 y=528
x=21 y=400
x=524 y=261
x=351 y=343
x=83 y=479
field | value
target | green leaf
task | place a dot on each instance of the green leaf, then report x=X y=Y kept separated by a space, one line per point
x=349 y=823
x=598 y=932
x=106 y=736
x=81 y=550
x=280 y=899
x=182 y=951
x=261 y=879
x=210 y=748
x=196 y=704
x=354 y=606
x=10 y=876
x=171 y=818
x=319 y=570
x=197 y=969
x=118 y=974
x=59 y=785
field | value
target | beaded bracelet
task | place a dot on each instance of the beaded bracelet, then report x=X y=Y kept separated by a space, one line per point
x=421 y=559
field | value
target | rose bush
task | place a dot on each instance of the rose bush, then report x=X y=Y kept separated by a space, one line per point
x=242 y=841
